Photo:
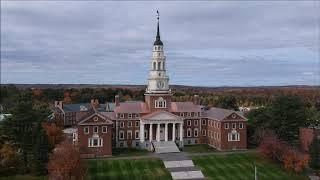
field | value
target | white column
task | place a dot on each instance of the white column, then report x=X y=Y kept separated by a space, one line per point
x=181 y=131
x=173 y=131
x=158 y=132
x=150 y=133
x=141 y=132
x=166 y=132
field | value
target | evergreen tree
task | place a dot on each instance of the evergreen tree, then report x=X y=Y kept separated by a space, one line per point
x=314 y=151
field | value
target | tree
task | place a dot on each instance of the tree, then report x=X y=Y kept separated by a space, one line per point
x=54 y=133
x=8 y=160
x=65 y=163
x=314 y=152
x=227 y=102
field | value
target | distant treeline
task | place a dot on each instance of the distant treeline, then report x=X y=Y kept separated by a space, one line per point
x=249 y=96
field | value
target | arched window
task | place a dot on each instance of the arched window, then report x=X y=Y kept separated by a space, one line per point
x=154 y=65
x=159 y=65
x=163 y=68
x=160 y=103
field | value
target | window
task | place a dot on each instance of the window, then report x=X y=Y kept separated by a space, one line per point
x=137 y=123
x=226 y=125
x=159 y=63
x=240 y=125
x=95 y=118
x=189 y=133
x=95 y=129
x=136 y=134
x=214 y=135
x=121 y=144
x=86 y=130
x=160 y=103
x=195 y=132
x=137 y=144
x=129 y=123
x=154 y=65
x=145 y=134
x=95 y=142
x=181 y=114
x=163 y=66
x=189 y=114
x=121 y=135
x=234 y=125
x=122 y=124
x=195 y=114
x=121 y=116
x=233 y=137
x=189 y=122
x=129 y=134
x=196 y=122
x=129 y=115
x=218 y=125
x=218 y=136
x=203 y=132
x=74 y=136
x=204 y=122
x=214 y=124
x=104 y=129
x=137 y=115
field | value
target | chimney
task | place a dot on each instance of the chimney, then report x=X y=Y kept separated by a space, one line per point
x=117 y=100
x=196 y=100
x=58 y=104
x=95 y=103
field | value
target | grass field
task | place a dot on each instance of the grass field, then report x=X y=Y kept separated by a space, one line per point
x=128 y=152
x=24 y=177
x=240 y=166
x=127 y=169
x=199 y=148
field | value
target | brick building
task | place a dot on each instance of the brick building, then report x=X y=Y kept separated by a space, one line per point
x=98 y=127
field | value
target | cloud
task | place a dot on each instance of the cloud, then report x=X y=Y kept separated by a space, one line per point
x=207 y=43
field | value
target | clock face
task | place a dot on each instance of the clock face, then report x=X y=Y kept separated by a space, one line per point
x=160 y=84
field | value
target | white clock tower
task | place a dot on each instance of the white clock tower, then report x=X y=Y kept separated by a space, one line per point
x=158 y=81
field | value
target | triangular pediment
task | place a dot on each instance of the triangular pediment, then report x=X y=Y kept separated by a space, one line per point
x=96 y=118
x=161 y=115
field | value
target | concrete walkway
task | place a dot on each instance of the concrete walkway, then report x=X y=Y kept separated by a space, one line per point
x=180 y=166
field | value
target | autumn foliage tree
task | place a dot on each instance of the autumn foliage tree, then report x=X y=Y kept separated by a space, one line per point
x=65 y=163
x=54 y=133
x=292 y=159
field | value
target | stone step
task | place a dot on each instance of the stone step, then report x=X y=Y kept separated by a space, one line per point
x=165 y=147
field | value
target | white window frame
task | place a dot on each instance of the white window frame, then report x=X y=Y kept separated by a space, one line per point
x=95 y=118
x=137 y=134
x=234 y=125
x=226 y=125
x=189 y=132
x=240 y=125
x=196 y=132
x=137 y=123
x=195 y=122
x=94 y=129
x=189 y=123
x=195 y=114
x=91 y=142
x=104 y=129
x=160 y=103
x=189 y=114
x=121 y=115
x=129 y=123
x=137 y=115
x=86 y=130
x=204 y=133
x=236 y=137
x=218 y=125
x=121 y=132
x=129 y=116
x=121 y=124
x=181 y=114
x=205 y=122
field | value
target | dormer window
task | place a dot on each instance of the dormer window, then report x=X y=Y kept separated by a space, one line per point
x=160 y=103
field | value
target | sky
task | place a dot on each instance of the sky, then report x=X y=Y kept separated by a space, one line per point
x=230 y=43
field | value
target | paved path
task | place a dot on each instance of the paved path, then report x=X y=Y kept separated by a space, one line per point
x=180 y=166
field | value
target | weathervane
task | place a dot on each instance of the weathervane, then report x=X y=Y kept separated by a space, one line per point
x=158 y=15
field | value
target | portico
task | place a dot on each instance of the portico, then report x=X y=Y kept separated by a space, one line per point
x=161 y=126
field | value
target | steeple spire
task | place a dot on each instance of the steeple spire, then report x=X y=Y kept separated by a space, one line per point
x=158 y=40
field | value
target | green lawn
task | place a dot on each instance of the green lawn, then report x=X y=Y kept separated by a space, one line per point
x=199 y=148
x=127 y=169
x=128 y=152
x=24 y=177
x=240 y=166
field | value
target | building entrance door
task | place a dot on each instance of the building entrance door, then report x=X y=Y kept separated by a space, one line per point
x=162 y=133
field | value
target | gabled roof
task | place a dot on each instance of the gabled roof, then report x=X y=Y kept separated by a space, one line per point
x=110 y=115
x=161 y=115
x=220 y=114
x=131 y=107
x=185 y=107
x=107 y=107
x=96 y=113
